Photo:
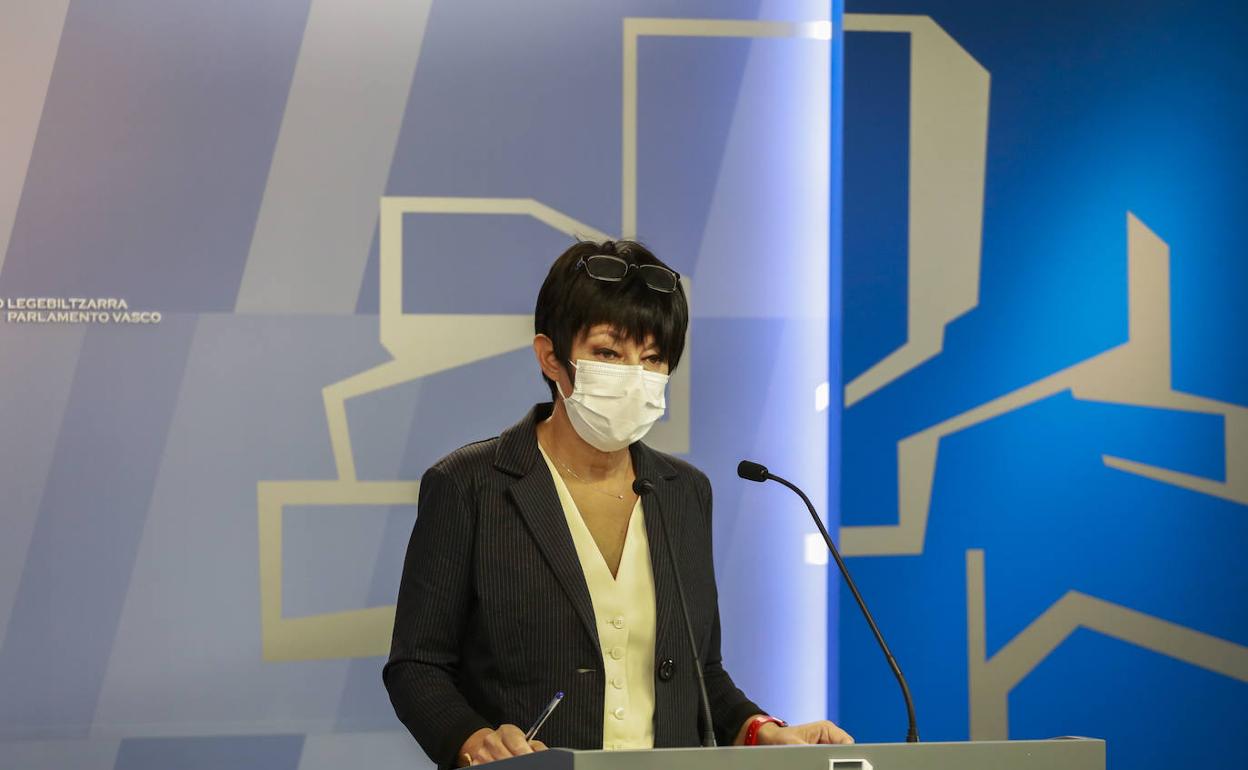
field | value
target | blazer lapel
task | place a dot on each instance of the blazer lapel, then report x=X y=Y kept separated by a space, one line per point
x=535 y=497
x=668 y=624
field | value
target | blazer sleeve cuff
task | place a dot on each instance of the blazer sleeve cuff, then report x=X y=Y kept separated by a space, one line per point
x=732 y=720
x=456 y=734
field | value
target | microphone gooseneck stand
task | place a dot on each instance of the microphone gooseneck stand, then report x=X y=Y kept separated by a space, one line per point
x=752 y=471
x=642 y=488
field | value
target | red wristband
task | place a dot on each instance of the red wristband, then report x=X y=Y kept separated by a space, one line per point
x=751 y=732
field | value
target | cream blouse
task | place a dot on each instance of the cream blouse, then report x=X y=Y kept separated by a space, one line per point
x=625 y=613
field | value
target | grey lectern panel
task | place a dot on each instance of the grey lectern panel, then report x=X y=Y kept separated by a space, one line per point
x=1064 y=754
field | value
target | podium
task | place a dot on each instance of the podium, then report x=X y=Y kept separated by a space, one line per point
x=1056 y=754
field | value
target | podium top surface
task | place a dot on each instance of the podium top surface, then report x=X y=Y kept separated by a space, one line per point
x=1055 y=754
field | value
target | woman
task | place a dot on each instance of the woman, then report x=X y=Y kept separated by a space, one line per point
x=533 y=568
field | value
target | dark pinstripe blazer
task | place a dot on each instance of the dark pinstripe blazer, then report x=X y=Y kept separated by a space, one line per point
x=494 y=615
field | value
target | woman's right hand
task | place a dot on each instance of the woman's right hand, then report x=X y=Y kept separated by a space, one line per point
x=486 y=745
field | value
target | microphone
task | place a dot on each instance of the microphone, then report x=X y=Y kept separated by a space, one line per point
x=752 y=471
x=643 y=488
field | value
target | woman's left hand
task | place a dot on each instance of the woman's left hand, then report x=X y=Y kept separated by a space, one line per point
x=772 y=734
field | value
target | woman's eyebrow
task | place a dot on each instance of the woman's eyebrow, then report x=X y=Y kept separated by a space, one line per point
x=612 y=334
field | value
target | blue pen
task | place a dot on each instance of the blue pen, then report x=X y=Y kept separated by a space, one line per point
x=546 y=712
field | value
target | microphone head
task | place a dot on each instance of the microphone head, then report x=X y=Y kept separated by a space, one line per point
x=643 y=487
x=752 y=471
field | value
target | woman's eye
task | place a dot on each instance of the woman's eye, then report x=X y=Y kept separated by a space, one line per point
x=606 y=353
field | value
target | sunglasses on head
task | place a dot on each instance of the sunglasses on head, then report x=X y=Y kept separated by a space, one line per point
x=605 y=267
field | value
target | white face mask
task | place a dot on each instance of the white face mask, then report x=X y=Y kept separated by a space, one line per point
x=613 y=405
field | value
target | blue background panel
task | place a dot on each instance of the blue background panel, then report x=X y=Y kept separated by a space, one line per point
x=1096 y=111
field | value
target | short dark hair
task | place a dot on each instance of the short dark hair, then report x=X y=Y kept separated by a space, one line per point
x=570 y=302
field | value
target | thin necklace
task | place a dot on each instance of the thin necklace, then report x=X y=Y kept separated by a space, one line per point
x=587 y=482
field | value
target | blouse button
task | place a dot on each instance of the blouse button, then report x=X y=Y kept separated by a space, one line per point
x=618 y=713
x=617 y=653
x=617 y=682
x=618 y=621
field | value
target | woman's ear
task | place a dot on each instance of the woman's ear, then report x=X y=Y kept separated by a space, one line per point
x=544 y=350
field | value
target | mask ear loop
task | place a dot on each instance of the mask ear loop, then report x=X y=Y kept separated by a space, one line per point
x=571 y=379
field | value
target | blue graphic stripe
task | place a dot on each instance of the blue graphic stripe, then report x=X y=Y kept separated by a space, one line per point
x=153 y=151
x=876 y=174
x=91 y=517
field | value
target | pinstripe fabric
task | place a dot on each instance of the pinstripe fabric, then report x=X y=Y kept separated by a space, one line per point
x=494 y=615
